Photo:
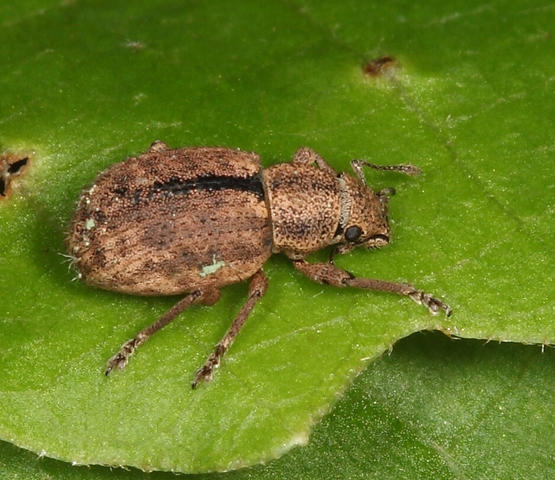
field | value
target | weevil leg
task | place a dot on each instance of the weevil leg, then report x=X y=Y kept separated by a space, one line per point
x=328 y=273
x=158 y=146
x=120 y=359
x=257 y=288
x=307 y=156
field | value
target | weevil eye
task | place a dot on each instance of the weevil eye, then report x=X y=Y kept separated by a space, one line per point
x=353 y=233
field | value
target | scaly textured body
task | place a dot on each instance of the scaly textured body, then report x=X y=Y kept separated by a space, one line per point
x=173 y=221
x=192 y=220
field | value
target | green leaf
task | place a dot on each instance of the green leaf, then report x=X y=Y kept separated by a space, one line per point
x=434 y=408
x=87 y=83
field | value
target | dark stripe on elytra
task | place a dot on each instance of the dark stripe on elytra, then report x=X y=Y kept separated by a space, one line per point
x=176 y=186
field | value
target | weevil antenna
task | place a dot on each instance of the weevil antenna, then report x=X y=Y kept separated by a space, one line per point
x=357 y=165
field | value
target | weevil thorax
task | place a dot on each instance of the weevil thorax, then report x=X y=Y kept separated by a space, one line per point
x=363 y=218
x=304 y=204
x=312 y=208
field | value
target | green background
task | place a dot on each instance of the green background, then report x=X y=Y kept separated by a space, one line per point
x=86 y=84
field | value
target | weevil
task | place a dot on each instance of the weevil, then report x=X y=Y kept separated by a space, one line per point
x=192 y=220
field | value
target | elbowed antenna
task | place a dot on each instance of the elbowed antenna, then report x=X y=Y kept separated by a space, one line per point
x=357 y=165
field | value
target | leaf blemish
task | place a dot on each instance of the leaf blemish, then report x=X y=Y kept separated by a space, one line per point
x=11 y=166
x=380 y=66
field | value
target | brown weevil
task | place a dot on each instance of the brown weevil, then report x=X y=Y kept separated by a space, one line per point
x=192 y=220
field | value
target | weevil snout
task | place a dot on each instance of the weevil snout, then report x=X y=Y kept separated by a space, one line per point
x=377 y=241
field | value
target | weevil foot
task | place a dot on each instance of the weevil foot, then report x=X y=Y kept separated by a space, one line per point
x=434 y=305
x=205 y=372
x=120 y=359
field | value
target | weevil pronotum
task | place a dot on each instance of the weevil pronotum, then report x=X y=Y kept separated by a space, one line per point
x=192 y=220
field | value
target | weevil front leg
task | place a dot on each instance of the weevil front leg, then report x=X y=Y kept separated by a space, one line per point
x=120 y=359
x=328 y=273
x=158 y=146
x=307 y=156
x=257 y=288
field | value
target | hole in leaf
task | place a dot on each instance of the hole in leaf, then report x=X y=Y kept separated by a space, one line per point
x=380 y=66
x=16 y=166
x=11 y=166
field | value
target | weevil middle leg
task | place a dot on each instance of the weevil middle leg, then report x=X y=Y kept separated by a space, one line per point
x=120 y=359
x=257 y=288
x=329 y=274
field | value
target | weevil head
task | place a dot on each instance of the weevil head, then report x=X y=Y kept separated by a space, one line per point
x=363 y=220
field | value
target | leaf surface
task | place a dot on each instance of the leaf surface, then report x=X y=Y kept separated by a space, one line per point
x=434 y=408
x=88 y=83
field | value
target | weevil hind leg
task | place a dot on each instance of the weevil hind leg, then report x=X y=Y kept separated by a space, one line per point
x=257 y=288
x=329 y=274
x=120 y=359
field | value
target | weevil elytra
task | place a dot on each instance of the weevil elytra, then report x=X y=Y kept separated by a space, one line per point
x=192 y=220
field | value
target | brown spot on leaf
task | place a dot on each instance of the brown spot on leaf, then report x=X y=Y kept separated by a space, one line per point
x=380 y=66
x=11 y=166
